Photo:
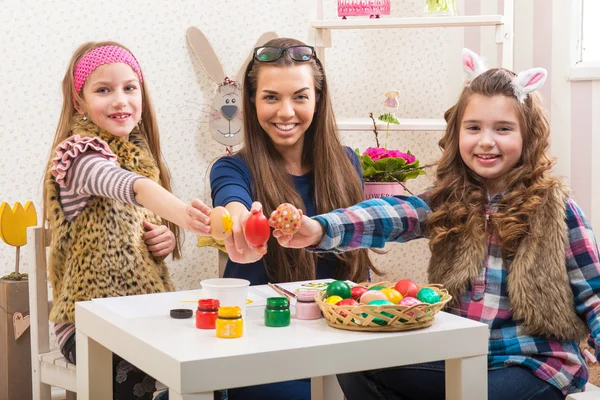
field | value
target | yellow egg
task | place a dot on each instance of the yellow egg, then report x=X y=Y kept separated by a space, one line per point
x=333 y=299
x=220 y=223
x=392 y=294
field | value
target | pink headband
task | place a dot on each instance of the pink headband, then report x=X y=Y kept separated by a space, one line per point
x=100 y=56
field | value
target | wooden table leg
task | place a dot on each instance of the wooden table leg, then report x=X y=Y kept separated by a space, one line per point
x=325 y=388
x=94 y=369
x=466 y=378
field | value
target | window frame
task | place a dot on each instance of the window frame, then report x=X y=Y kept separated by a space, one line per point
x=579 y=70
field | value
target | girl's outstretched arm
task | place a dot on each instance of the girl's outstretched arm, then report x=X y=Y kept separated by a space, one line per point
x=163 y=203
x=369 y=224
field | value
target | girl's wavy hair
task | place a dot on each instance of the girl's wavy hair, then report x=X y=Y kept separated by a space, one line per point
x=459 y=197
x=148 y=128
x=336 y=183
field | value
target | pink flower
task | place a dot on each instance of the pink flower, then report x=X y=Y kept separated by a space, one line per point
x=376 y=153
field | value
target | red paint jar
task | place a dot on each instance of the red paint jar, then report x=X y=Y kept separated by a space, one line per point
x=206 y=315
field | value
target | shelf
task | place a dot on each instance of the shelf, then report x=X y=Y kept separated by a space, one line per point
x=414 y=22
x=406 y=124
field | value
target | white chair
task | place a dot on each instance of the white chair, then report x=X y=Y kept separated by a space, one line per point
x=591 y=393
x=49 y=368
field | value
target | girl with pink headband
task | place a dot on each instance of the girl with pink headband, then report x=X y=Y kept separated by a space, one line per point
x=105 y=192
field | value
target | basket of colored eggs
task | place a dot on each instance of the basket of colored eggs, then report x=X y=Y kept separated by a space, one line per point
x=384 y=306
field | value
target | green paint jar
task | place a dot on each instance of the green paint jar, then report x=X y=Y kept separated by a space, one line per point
x=277 y=313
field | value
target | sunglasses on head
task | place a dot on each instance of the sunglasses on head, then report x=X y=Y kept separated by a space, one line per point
x=272 y=53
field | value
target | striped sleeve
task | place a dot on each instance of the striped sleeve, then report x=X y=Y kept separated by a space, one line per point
x=91 y=174
x=373 y=223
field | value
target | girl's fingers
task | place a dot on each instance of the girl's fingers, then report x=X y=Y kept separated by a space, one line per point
x=159 y=246
x=198 y=215
x=156 y=232
x=200 y=206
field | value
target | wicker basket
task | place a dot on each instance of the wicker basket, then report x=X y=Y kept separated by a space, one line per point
x=387 y=318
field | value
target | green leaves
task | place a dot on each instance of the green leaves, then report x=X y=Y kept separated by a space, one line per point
x=388 y=169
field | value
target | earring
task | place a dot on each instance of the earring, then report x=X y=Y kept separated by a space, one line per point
x=84 y=117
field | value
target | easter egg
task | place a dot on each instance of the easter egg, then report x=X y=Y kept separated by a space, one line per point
x=220 y=223
x=339 y=288
x=347 y=302
x=392 y=295
x=257 y=230
x=333 y=299
x=371 y=295
x=380 y=303
x=409 y=301
x=377 y=287
x=380 y=321
x=428 y=295
x=357 y=291
x=406 y=287
x=287 y=219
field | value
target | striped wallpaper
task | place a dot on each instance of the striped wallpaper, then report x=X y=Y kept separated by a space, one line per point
x=542 y=40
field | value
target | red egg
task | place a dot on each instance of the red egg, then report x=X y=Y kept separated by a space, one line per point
x=357 y=291
x=346 y=302
x=257 y=230
x=407 y=288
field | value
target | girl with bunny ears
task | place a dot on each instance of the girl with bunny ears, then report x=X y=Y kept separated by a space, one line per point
x=106 y=188
x=507 y=241
x=292 y=153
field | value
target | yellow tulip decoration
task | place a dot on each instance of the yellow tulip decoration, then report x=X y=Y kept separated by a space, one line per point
x=13 y=226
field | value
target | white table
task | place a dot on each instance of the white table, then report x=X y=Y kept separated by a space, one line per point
x=193 y=362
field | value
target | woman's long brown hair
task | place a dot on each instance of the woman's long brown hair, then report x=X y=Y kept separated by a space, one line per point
x=148 y=128
x=336 y=183
x=459 y=197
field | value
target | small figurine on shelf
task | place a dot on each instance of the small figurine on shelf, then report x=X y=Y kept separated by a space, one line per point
x=372 y=8
x=440 y=8
x=390 y=106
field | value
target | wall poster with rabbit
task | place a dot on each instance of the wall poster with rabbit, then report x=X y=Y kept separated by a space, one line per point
x=225 y=114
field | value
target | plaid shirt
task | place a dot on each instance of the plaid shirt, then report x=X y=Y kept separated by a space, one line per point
x=372 y=223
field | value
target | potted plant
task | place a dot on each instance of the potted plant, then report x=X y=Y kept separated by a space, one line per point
x=440 y=8
x=15 y=346
x=385 y=170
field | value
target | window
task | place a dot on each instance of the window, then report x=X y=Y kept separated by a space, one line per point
x=585 y=43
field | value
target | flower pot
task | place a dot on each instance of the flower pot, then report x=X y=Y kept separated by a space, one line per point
x=376 y=190
x=15 y=355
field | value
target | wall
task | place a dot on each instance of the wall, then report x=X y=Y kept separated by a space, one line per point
x=38 y=38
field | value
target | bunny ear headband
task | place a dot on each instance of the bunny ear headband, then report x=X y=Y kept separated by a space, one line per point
x=524 y=83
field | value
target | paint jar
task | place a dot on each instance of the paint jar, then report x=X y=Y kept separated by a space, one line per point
x=206 y=315
x=306 y=306
x=229 y=323
x=277 y=312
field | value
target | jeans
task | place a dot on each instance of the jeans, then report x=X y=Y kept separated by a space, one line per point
x=427 y=382
x=290 y=390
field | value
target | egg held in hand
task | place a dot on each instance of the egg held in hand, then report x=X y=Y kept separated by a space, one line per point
x=287 y=219
x=257 y=230
x=221 y=223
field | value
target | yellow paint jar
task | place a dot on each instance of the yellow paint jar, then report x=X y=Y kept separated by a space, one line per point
x=229 y=322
